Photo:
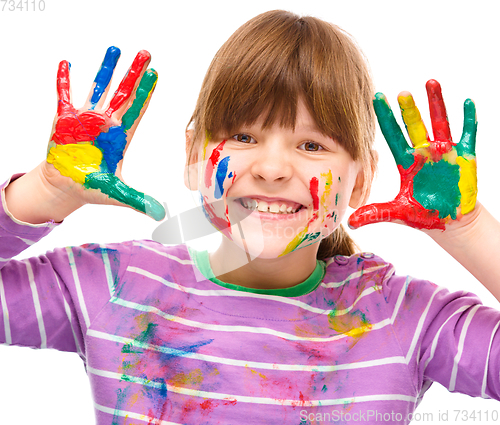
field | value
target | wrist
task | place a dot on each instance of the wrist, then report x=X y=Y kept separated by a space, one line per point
x=32 y=199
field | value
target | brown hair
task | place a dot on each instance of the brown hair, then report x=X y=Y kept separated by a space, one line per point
x=267 y=66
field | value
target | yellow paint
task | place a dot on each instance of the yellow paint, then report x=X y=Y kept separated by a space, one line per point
x=254 y=372
x=296 y=241
x=192 y=378
x=352 y=324
x=201 y=164
x=75 y=160
x=467 y=183
x=325 y=198
x=413 y=120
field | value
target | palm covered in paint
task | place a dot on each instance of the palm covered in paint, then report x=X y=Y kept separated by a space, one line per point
x=88 y=144
x=438 y=177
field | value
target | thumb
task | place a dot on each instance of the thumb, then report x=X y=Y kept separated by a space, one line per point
x=368 y=214
x=112 y=186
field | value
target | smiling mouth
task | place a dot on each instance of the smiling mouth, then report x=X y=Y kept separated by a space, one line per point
x=278 y=207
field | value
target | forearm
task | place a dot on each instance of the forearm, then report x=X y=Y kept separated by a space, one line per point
x=31 y=199
x=473 y=246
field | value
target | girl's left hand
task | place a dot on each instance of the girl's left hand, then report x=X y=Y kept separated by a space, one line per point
x=438 y=177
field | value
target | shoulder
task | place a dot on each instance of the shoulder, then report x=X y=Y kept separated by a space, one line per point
x=365 y=273
x=358 y=268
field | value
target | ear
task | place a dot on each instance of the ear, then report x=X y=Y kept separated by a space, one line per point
x=358 y=190
x=364 y=179
x=191 y=168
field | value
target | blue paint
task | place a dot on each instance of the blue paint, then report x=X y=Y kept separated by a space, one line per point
x=112 y=143
x=220 y=176
x=104 y=74
x=230 y=175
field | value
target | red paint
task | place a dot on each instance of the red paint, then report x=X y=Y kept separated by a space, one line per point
x=403 y=208
x=442 y=136
x=72 y=127
x=313 y=188
x=222 y=225
x=212 y=162
x=63 y=91
x=128 y=83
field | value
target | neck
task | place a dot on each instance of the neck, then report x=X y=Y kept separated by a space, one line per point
x=231 y=264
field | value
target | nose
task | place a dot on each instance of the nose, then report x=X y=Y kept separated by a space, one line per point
x=273 y=165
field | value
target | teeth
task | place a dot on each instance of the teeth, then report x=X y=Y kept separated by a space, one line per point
x=264 y=206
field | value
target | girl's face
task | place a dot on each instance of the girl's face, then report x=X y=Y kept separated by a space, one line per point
x=276 y=190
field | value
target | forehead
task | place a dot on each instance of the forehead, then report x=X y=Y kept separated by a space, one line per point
x=304 y=122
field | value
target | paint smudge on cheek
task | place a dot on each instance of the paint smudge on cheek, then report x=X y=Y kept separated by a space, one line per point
x=313 y=188
x=325 y=197
x=304 y=235
x=220 y=176
x=212 y=162
x=221 y=224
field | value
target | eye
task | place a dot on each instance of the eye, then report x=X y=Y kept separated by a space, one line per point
x=312 y=147
x=244 y=138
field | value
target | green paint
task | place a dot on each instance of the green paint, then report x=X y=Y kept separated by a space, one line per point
x=130 y=349
x=148 y=334
x=324 y=389
x=402 y=152
x=147 y=84
x=435 y=187
x=112 y=186
x=467 y=143
x=336 y=199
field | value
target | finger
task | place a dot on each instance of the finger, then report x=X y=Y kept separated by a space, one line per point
x=63 y=88
x=143 y=94
x=114 y=142
x=103 y=78
x=467 y=143
x=373 y=213
x=413 y=121
x=112 y=186
x=129 y=82
x=400 y=149
x=437 y=108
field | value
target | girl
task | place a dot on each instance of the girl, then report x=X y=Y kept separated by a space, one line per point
x=281 y=324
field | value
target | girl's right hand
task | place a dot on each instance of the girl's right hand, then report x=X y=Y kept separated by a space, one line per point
x=87 y=145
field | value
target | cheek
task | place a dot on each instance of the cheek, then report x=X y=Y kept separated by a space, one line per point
x=329 y=201
x=216 y=173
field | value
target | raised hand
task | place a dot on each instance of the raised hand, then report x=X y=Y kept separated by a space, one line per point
x=88 y=144
x=438 y=177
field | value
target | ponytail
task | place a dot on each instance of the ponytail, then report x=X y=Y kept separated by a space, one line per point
x=338 y=243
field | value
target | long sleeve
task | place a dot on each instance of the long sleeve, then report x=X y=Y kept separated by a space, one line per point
x=50 y=301
x=450 y=338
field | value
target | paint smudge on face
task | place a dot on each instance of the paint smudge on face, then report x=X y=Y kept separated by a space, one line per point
x=325 y=197
x=313 y=189
x=223 y=225
x=304 y=235
x=220 y=176
x=212 y=162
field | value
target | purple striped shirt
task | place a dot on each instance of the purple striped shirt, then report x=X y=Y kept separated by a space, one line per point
x=163 y=344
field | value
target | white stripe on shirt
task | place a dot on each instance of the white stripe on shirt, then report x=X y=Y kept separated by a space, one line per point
x=36 y=302
x=458 y=356
x=6 y=321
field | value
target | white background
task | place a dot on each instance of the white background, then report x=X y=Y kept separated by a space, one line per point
x=407 y=43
